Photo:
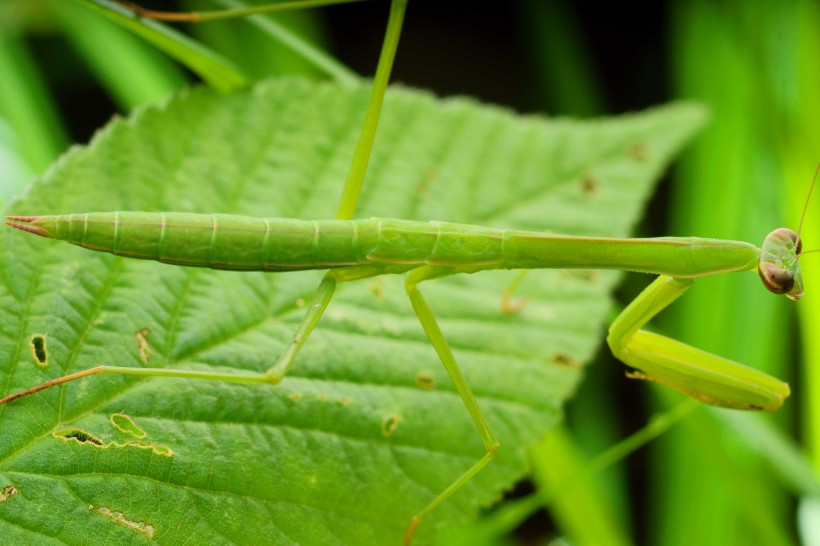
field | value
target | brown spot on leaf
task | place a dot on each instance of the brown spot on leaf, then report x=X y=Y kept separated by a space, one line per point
x=390 y=424
x=589 y=185
x=425 y=381
x=144 y=348
x=8 y=492
x=119 y=518
x=563 y=359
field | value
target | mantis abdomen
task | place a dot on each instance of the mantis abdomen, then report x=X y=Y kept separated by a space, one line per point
x=222 y=241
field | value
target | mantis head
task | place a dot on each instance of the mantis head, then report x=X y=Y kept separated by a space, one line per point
x=779 y=267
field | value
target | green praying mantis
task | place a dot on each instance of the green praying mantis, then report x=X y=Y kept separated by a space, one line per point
x=358 y=249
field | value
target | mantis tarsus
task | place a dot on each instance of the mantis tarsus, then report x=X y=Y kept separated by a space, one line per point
x=356 y=249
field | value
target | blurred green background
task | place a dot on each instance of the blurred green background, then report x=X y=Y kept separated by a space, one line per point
x=718 y=477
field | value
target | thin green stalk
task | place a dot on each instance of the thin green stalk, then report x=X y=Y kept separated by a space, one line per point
x=358 y=167
x=232 y=13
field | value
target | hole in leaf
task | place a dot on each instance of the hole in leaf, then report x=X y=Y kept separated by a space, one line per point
x=37 y=344
x=125 y=424
x=78 y=435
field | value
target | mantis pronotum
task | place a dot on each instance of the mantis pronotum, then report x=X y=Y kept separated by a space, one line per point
x=358 y=249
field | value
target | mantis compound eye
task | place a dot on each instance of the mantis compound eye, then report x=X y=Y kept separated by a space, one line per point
x=776 y=279
x=779 y=268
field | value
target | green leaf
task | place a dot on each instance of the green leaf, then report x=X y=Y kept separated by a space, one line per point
x=367 y=428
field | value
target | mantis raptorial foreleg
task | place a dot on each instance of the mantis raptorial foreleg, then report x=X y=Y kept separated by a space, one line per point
x=699 y=374
x=431 y=328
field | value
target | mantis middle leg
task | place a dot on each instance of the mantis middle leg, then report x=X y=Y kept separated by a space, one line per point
x=321 y=299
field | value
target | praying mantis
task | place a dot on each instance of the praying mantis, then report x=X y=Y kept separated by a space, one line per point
x=359 y=249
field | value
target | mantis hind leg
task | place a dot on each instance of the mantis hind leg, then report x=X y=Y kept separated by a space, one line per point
x=434 y=334
x=274 y=375
x=705 y=376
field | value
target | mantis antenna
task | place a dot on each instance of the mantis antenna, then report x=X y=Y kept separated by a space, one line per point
x=806 y=204
x=803 y=216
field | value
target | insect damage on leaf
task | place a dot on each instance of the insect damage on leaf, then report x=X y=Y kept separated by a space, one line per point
x=118 y=517
x=77 y=435
x=638 y=151
x=144 y=348
x=8 y=492
x=425 y=381
x=377 y=289
x=565 y=360
x=390 y=424
x=125 y=424
x=84 y=438
x=37 y=344
x=589 y=185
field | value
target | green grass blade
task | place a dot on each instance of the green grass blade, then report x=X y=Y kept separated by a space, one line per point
x=133 y=72
x=299 y=45
x=26 y=106
x=798 y=110
x=783 y=456
x=563 y=74
x=727 y=186
x=214 y=69
x=597 y=523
